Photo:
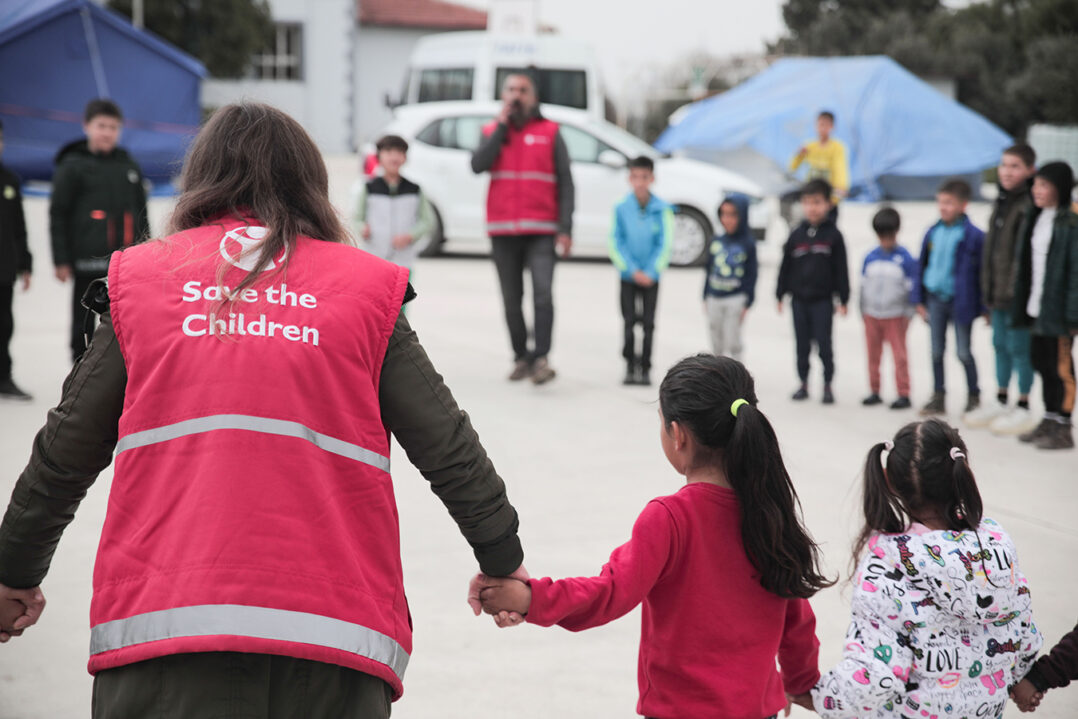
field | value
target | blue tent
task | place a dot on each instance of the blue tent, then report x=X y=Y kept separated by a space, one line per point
x=59 y=54
x=903 y=135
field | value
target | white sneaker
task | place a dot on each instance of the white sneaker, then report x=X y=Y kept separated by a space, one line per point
x=985 y=414
x=1017 y=421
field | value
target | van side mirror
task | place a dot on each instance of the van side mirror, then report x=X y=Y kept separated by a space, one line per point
x=612 y=159
x=389 y=102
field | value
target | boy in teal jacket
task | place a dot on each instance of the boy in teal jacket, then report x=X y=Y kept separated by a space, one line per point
x=640 y=244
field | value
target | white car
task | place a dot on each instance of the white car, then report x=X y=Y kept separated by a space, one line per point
x=442 y=135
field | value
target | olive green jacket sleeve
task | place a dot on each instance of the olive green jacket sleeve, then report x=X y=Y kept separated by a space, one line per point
x=80 y=434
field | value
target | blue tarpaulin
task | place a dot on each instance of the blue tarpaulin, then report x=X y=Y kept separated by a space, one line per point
x=57 y=55
x=902 y=134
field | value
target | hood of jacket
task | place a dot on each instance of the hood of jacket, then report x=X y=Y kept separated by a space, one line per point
x=741 y=202
x=81 y=149
x=969 y=574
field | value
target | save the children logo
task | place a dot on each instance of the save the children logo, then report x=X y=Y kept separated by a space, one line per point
x=239 y=247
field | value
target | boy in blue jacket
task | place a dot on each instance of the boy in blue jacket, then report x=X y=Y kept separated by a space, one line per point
x=950 y=289
x=640 y=243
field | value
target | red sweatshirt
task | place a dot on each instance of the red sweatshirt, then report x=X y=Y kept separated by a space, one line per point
x=710 y=633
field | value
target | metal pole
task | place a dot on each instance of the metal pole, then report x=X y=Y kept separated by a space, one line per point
x=137 y=14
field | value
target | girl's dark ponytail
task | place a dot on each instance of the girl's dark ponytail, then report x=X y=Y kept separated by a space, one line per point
x=883 y=509
x=964 y=508
x=702 y=394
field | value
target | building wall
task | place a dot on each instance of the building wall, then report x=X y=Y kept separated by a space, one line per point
x=382 y=60
x=323 y=100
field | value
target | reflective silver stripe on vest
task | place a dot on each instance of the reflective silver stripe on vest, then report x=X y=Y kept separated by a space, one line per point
x=537 y=225
x=494 y=226
x=510 y=175
x=238 y=620
x=265 y=425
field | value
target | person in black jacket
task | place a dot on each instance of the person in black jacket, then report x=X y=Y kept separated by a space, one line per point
x=15 y=265
x=814 y=271
x=98 y=206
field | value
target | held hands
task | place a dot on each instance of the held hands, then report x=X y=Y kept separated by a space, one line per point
x=19 y=609
x=481 y=581
x=507 y=599
x=642 y=279
x=1026 y=696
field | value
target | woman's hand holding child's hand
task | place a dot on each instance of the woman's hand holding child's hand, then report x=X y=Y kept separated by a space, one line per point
x=801 y=700
x=503 y=597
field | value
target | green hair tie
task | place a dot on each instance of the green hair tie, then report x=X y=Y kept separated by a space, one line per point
x=736 y=406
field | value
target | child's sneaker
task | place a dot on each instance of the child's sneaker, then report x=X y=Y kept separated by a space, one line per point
x=936 y=405
x=1058 y=437
x=9 y=390
x=984 y=416
x=828 y=397
x=973 y=403
x=542 y=372
x=800 y=394
x=643 y=377
x=630 y=373
x=521 y=370
x=901 y=403
x=1018 y=421
x=872 y=400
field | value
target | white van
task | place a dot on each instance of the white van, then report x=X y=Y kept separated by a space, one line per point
x=472 y=66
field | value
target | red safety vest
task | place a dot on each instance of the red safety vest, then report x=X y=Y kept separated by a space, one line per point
x=523 y=195
x=252 y=508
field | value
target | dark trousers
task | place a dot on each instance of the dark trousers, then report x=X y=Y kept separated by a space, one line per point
x=1054 y=362
x=512 y=253
x=941 y=314
x=7 y=327
x=812 y=323
x=231 y=685
x=638 y=306
x=80 y=316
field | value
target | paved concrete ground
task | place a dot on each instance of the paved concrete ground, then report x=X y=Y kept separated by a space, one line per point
x=581 y=458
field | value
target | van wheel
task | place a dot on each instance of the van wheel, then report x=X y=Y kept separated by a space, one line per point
x=432 y=243
x=692 y=234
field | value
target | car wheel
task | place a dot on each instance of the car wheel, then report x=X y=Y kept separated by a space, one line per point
x=432 y=244
x=692 y=233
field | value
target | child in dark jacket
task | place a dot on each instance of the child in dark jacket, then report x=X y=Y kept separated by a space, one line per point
x=814 y=272
x=1046 y=300
x=730 y=285
x=950 y=290
x=15 y=265
x=1054 y=670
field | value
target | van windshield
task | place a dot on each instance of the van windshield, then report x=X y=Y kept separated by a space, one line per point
x=556 y=87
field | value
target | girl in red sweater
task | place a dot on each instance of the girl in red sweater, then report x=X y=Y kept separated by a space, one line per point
x=723 y=567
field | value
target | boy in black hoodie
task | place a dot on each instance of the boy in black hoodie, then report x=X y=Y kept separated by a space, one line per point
x=98 y=205
x=814 y=271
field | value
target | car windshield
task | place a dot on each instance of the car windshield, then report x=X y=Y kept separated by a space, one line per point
x=626 y=141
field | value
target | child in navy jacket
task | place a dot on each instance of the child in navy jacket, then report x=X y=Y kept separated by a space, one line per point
x=730 y=286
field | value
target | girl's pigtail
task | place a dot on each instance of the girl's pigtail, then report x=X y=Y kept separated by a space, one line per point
x=879 y=502
x=966 y=508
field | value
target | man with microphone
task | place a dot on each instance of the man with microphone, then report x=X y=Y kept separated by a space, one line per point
x=529 y=214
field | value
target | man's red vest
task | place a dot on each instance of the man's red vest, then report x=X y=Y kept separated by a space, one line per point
x=523 y=195
x=252 y=508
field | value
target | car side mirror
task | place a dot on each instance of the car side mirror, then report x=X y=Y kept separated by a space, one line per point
x=612 y=159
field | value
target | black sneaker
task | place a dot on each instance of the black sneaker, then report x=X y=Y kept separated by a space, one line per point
x=872 y=400
x=9 y=390
x=630 y=374
x=643 y=377
x=1059 y=437
x=801 y=394
x=828 y=397
x=901 y=403
x=1046 y=426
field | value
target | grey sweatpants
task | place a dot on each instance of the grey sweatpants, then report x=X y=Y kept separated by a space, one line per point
x=724 y=324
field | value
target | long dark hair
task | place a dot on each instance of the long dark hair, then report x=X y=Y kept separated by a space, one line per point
x=252 y=160
x=919 y=475
x=698 y=393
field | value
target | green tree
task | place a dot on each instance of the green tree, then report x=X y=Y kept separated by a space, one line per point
x=1012 y=60
x=223 y=34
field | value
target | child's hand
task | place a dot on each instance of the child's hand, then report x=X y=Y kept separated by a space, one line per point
x=402 y=241
x=1026 y=696
x=922 y=312
x=641 y=278
x=366 y=231
x=842 y=310
x=506 y=595
x=801 y=700
x=780 y=307
x=744 y=313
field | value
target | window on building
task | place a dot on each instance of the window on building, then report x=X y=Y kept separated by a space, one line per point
x=283 y=57
x=445 y=84
x=557 y=87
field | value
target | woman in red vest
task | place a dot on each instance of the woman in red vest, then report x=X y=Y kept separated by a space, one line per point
x=247 y=373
